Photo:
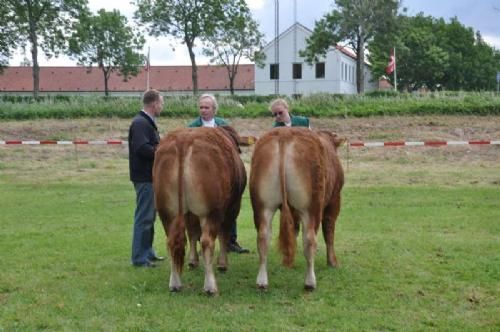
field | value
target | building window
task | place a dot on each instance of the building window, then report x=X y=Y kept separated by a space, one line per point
x=274 y=71
x=297 y=71
x=345 y=72
x=320 y=70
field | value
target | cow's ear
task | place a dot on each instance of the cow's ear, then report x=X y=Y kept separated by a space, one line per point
x=233 y=135
x=338 y=140
x=334 y=138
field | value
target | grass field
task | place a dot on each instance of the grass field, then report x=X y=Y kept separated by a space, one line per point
x=418 y=240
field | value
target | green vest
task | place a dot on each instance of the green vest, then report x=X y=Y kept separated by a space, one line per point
x=199 y=123
x=297 y=121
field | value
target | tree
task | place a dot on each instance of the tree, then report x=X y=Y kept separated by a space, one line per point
x=41 y=24
x=6 y=36
x=236 y=37
x=421 y=61
x=484 y=66
x=354 y=22
x=434 y=54
x=106 y=39
x=187 y=20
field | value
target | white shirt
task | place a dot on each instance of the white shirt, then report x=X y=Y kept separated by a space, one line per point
x=210 y=123
x=151 y=117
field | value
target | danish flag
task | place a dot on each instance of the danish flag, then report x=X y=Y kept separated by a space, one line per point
x=392 y=63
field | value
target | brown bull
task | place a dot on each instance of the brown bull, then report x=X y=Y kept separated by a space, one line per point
x=297 y=171
x=198 y=178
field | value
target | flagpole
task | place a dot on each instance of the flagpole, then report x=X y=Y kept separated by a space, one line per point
x=147 y=71
x=395 y=68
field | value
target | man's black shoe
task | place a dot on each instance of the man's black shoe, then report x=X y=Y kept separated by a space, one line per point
x=235 y=247
x=146 y=265
x=157 y=258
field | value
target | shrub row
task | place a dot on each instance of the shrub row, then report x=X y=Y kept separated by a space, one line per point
x=318 y=105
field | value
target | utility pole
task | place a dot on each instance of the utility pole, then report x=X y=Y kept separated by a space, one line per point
x=277 y=46
x=498 y=80
x=294 y=43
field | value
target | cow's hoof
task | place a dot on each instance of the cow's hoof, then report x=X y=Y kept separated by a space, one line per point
x=262 y=287
x=211 y=292
x=222 y=268
x=175 y=289
x=192 y=265
x=309 y=288
x=332 y=264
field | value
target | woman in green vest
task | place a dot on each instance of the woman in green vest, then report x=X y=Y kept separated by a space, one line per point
x=282 y=118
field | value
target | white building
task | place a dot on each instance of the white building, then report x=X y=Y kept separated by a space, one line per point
x=288 y=74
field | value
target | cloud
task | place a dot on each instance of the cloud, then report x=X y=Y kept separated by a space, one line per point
x=492 y=41
x=255 y=4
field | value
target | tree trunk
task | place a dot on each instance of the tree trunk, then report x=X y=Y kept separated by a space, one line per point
x=360 y=64
x=35 y=71
x=34 y=52
x=232 y=71
x=231 y=85
x=194 y=68
x=106 y=78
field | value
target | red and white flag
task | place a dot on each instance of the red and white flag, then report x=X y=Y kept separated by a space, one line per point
x=392 y=63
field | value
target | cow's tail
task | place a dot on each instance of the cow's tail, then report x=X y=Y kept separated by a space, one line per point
x=177 y=239
x=287 y=240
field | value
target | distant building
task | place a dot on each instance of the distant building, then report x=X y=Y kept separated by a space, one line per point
x=291 y=75
x=171 y=80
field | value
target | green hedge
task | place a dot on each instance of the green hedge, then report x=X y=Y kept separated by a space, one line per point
x=318 y=105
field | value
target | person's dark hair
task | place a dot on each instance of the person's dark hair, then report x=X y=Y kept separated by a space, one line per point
x=150 y=97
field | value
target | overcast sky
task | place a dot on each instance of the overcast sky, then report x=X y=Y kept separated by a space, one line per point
x=481 y=15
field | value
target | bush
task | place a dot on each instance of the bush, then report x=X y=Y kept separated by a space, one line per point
x=316 y=105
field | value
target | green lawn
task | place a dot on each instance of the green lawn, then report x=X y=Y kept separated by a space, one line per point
x=413 y=257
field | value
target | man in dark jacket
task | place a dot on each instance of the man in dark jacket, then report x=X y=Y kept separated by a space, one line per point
x=143 y=138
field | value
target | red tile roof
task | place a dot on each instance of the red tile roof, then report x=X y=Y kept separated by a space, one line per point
x=163 y=78
x=346 y=51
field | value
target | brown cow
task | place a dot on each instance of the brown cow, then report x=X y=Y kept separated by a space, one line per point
x=198 y=178
x=296 y=170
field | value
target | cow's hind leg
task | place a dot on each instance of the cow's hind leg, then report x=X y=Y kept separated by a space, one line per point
x=175 y=283
x=263 y=223
x=328 y=226
x=208 y=234
x=176 y=242
x=194 y=233
x=231 y=214
x=309 y=244
x=223 y=242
